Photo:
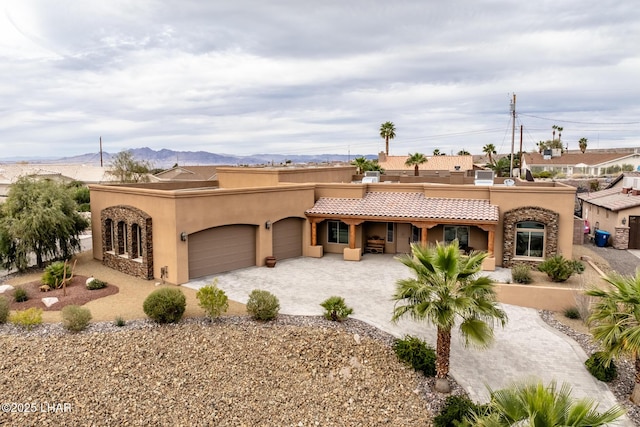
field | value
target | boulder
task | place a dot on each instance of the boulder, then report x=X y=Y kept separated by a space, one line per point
x=48 y=302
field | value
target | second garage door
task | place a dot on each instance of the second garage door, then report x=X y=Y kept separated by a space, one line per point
x=287 y=238
x=221 y=249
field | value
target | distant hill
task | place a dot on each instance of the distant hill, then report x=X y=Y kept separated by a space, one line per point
x=166 y=158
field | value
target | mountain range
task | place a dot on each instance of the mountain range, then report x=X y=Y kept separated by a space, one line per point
x=167 y=158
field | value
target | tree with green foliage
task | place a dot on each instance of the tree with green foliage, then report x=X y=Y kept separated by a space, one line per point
x=502 y=166
x=436 y=152
x=387 y=132
x=582 y=143
x=361 y=163
x=463 y=152
x=615 y=321
x=416 y=160
x=126 y=169
x=447 y=288
x=489 y=150
x=39 y=217
x=534 y=404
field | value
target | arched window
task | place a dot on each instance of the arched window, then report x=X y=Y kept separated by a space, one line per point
x=136 y=241
x=123 y=238
x=109 y=234
x=530 y=236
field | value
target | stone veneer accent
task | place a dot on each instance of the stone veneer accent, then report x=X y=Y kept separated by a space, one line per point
x=529 y=213
x=621 y=238
x=112 y=258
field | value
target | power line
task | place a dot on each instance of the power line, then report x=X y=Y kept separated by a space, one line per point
x=582 y=123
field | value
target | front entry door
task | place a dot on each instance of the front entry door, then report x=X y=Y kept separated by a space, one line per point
x=634 y=232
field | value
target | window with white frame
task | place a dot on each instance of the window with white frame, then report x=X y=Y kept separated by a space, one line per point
x=338 y=232
x=457 y=232
x=530 y=239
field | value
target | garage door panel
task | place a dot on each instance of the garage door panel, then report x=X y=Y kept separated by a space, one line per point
x=287 y=238
x=221 y=249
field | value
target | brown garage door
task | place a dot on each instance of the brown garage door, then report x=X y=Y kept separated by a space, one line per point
x=221 y=249
x=287 y=238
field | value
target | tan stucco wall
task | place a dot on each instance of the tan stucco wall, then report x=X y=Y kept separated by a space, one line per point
x=607 y=220
x=240 y=177
x=190 y=211
x=538 y=297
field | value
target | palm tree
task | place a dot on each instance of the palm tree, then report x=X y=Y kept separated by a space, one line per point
x=361 y=163
x=387 y=131
x=463 y=152
x=489 y=150
x=615 y=321
x=582 y=143
x=447 y=288
x=436 y=152
x=560 y=129
x=554 y=128
x=534 y=404
x=542 y=145
x=415 y=160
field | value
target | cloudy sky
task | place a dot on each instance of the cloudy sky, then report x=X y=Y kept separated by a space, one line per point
x=294 y=77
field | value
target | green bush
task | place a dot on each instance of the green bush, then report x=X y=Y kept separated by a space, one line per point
x=455 y=410
x=4 y=309
x=165 y=305
x=27 y=318
x=597 y=366
x=84 y=207
x=213 y=300
x=75 y=318
x=571 y=313
x=416 y=353
x=96 y=284
x=54 y=273
x=119 y=322
x=20 y=294
x=521 y=273
x=544 y=174
x=263 y=305
x=336 y=309
x=559 y=269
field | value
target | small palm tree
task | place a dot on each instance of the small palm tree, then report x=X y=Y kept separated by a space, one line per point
x=387 y=132
x=463 y=152
x=534 y=404
x=542 y=145
x=489 y=150
x=582 y=143
x=415 y=160
x=446 y=288
x=436 y=152
x=361 y=163
x=615 y=321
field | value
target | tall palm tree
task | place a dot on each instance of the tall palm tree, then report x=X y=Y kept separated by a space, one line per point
x=559 y=129
x=387 y=131
x=553 y=133
x=446 y=288
x=415 y=160
x=489 y=150
x=534 y=404
x=582 y=143
x=361 y=163
x=615 y=321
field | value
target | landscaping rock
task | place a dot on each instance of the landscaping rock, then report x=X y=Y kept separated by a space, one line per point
x=48 y=302
x=5 y=288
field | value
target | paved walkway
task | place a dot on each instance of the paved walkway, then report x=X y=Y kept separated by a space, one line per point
x=527 y=347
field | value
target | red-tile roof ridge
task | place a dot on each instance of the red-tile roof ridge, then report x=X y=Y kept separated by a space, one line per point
x=407 y=205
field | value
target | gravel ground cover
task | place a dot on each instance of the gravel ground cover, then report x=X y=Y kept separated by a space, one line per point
x=296 y=371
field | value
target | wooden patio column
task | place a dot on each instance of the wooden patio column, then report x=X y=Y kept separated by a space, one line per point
x=314 y=233
x=423 y=236
x=352 y=236
x=424 y=227
x=491 y=236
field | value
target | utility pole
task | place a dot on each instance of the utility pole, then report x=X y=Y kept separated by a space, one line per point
x=513 y=133
x=520 y=156
x=100 y=151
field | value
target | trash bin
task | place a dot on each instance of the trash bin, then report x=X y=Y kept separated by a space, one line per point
x=601 y=238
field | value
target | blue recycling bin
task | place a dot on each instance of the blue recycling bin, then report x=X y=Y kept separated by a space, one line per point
x=601 y=238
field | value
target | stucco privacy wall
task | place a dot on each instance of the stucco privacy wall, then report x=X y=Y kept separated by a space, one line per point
x=231 y=177
x=194 y=210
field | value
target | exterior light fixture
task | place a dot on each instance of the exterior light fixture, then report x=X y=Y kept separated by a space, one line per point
x=183 y=236
x=267 y=225
x=624 y=220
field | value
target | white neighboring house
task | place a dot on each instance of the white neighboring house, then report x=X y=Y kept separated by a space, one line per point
x=88 y=174
x=589 y=163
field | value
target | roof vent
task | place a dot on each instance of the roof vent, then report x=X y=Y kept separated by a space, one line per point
x=627 y=184
x=370 y=177
x=483 y=178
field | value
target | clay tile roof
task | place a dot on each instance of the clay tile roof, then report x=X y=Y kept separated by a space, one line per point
x=611 y=198
x=407 y=205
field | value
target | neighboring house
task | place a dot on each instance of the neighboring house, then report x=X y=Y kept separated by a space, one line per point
x=590 y=163
x=187 y=173
x=182 y=230
x=435 y=165
x=10 y=172
x=616 y=210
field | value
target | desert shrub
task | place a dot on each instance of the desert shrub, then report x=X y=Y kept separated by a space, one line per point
x=119 y=322
x=75 y=318
x=20 y=294
x=521 y=273
x=27 y=318
x=544 y=174
x=54 y=273
x=336 y=309
x=165 y=305
x=571 y=313
x=456 y=409
x=559 y=269
x=96 y=284
x=213 y=300
x=4 y=309
x=263 y=305
x=416 y=353
x=597 y=366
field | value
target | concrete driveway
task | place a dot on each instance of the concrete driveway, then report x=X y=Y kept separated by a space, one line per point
x=527 y=347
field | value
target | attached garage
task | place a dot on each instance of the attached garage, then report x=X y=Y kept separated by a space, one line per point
x=287 y=238
x=221 y=249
